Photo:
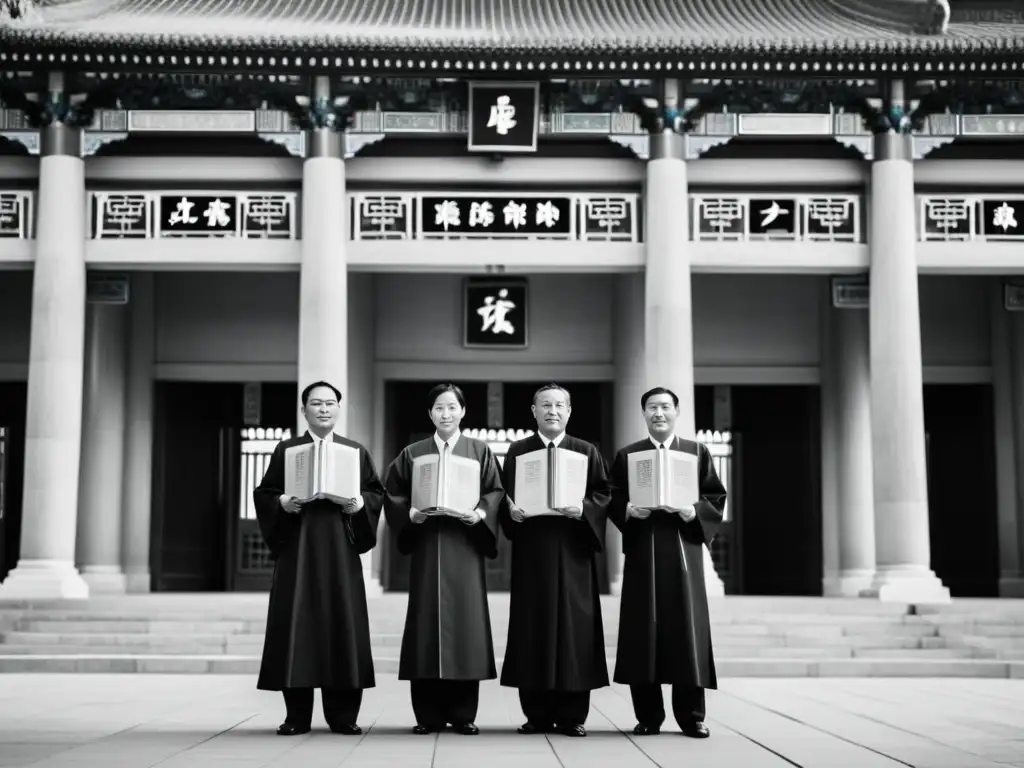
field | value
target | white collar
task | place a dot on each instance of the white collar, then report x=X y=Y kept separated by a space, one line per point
x=667 y=443
x=329 y=438
x=547 y=442
x=451 y=442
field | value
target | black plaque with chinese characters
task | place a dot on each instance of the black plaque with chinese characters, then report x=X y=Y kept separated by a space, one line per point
x=495 y=312
x=496 y=217
x=1001 y=219
x=194 y=215
x=830 y=218
x=772 y=218
x=503 y=117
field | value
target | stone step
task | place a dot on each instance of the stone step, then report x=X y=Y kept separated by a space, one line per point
x=736 y=667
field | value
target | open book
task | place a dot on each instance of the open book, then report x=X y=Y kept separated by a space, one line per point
x=454 y=484
x=663 y=478
x=550 y=480
x=328 y=469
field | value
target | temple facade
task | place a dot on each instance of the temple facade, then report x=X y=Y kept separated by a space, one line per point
x=807 y=221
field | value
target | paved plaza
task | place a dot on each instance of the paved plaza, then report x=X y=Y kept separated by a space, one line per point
x=172 y=721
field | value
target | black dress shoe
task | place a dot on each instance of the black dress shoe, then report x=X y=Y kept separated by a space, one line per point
x=466 y=729
x=291 y=729
x=346 y=729
x=646 y=730
x=423 y=730
x=696 y=730
x=529 y=728
x=572 y=730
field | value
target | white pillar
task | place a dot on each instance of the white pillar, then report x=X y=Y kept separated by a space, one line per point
x=323 y=273
x=53 y=428
x=138 y=440
x=628 y=345
x=102 y=468
x=854 y=471
x=1008 y=392
x=902 y=541
x=668 y=315
x=829 y=449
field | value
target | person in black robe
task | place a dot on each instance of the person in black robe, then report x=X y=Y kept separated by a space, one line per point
x=555 y=654
x=664 y=625
x=447 y=647
x=318 y=630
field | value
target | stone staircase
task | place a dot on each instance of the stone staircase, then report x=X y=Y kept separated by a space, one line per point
x=753 y=636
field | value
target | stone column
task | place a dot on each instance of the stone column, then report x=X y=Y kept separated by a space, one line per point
x=1008 y=392
x=902 y=541
x=323 y=278
x=668 y=304
x=854 y=471
x=53 y=439
x=138 y=440
x=100 y=488
x=628 y=345
x=829 y=449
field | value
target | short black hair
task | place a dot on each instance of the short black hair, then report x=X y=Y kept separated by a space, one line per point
x=440 y=389
x=314 y=385
x=657 y=391
x=547 y=387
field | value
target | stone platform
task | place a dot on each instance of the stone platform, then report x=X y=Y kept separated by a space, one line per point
x=753 y=636
x=184 y=721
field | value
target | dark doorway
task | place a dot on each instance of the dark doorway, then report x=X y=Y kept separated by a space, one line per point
x=778 y=468
x=959 y=420
x=13 y=406
x=196 y=464
x=405 y=412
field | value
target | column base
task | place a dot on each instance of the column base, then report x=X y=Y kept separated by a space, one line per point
x=852 y=583
x=903 y=584
x=138 y=582
x=44 y=580
x=104 y=579
x=1011 y=586
x=713 y=584
x=615 y=587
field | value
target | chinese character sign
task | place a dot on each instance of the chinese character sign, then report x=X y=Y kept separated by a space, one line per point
x=195 y=215
x=495 y=313
x=773 y=218
x=1002 y=219
x=503 y=117
x=462 y=216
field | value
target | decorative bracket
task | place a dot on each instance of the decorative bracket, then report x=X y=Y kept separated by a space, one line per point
x=74 y=111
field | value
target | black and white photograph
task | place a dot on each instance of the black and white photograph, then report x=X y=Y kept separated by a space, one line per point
x=562 y=384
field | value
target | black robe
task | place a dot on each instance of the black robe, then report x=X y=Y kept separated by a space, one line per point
x=664 y=625
x=318 y=630
x=447 y=624
x=555 y=630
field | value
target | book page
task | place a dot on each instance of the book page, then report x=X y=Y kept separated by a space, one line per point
x=343 y=472
x=463 y=483
x=531 y=491
x=424 y=481
x=683 y=482
x=570 y=478
x=643 y=485
x=298 y=471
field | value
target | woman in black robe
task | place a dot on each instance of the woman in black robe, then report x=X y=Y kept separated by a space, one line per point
x=447 y=647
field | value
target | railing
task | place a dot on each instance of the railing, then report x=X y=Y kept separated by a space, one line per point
x=16 y=215
x=970 y=217
x=193 y=214
x=755 y=217
x=491 y=216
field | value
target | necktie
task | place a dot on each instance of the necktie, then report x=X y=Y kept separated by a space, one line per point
x=551 y=476
x=442 y=478
x=662 y=475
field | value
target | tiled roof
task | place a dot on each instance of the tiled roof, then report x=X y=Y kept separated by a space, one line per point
x=568 y=33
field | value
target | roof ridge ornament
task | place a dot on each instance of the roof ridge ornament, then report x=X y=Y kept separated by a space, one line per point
x=922 y=17
x=14 y=10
